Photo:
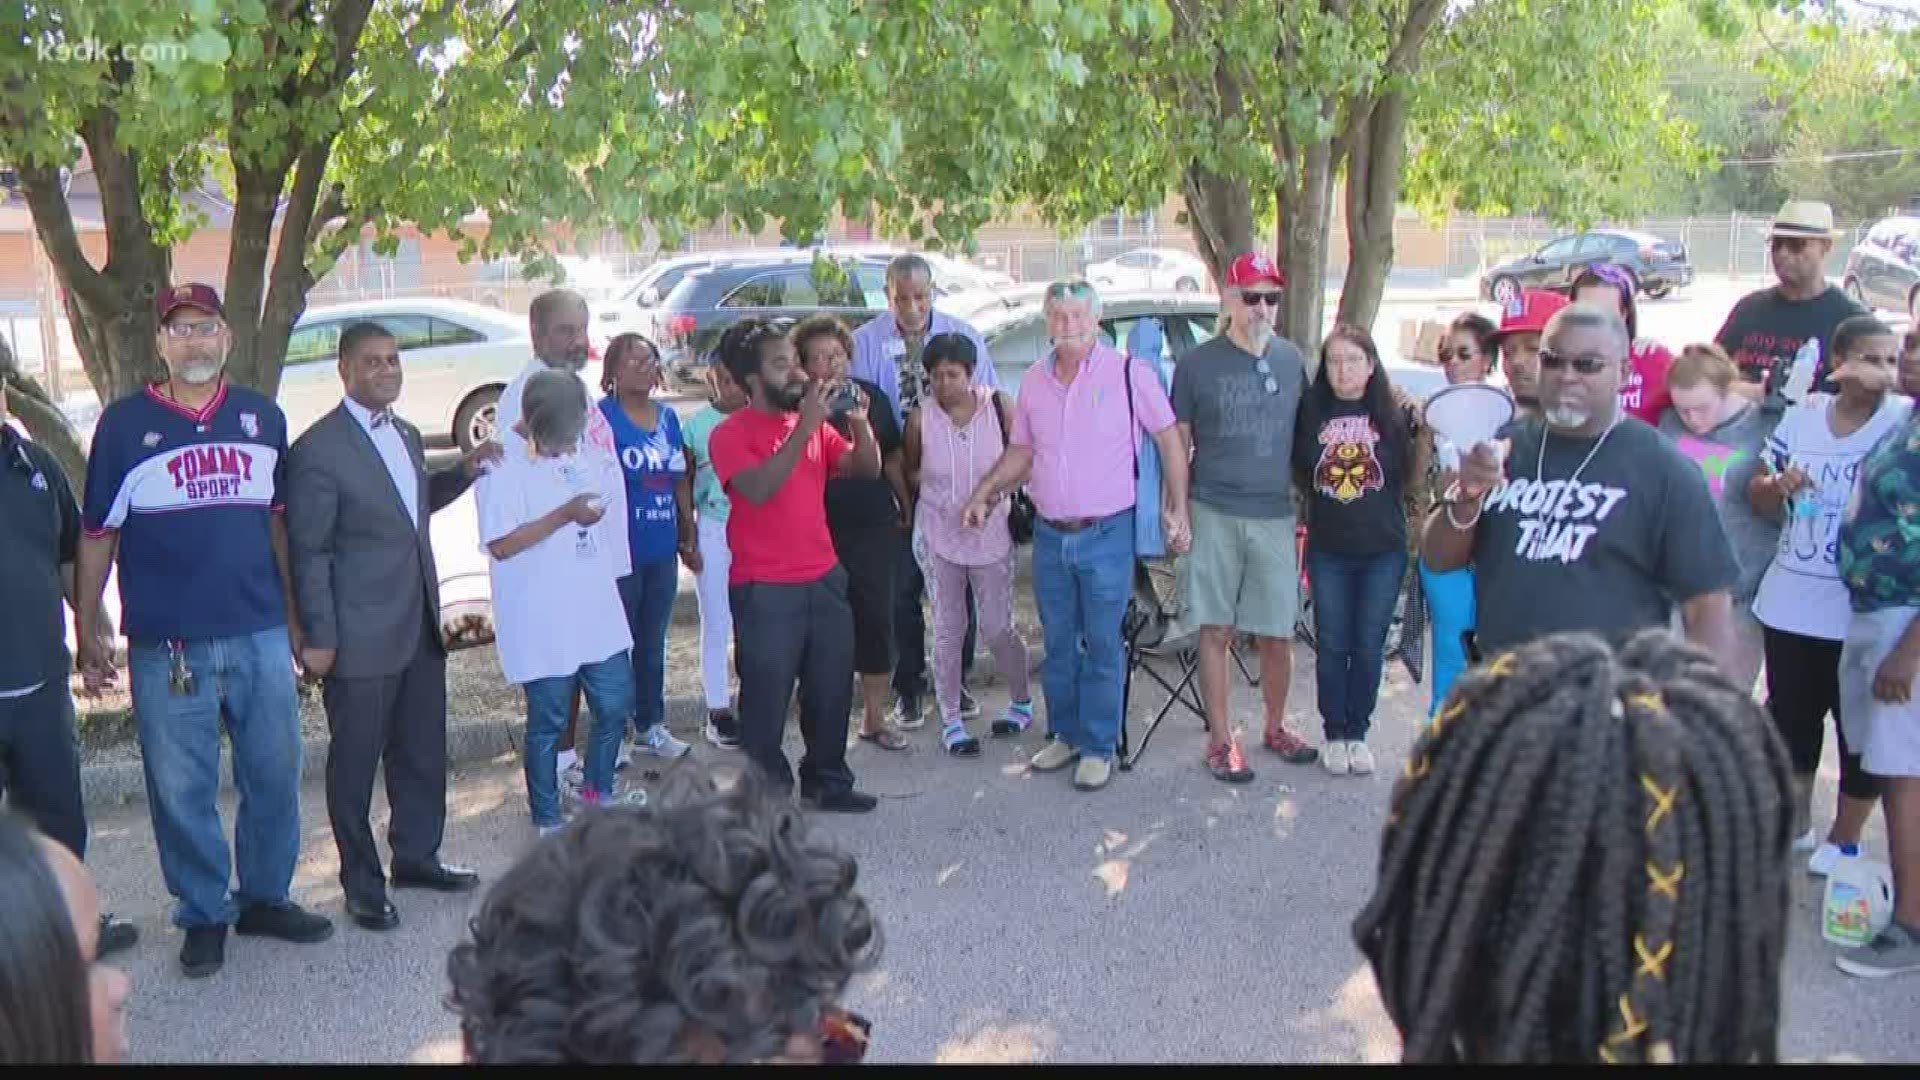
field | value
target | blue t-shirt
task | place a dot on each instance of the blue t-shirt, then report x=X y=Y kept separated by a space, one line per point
x=652 y=461
x=193 y=496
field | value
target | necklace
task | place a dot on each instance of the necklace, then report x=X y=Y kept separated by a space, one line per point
x=1540 y=467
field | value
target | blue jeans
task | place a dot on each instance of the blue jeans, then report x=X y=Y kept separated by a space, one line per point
x=246 y=684
x=609 y=690
x=1450 y=610
x=647 y=594
x=1081 y=584
x=1353 y=598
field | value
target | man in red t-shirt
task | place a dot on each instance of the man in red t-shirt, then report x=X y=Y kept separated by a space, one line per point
x=787 y=590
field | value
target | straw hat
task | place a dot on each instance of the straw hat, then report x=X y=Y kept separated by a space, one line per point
x=1804 y=219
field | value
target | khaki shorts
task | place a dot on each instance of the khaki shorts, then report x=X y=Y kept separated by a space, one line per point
x=1886 y=736
x=1242 y=573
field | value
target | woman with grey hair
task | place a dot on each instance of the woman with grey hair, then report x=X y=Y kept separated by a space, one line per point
x=554 y=562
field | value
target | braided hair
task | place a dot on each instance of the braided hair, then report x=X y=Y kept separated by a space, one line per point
x=1587 y=861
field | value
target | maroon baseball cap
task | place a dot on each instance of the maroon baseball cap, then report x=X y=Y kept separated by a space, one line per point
x=1530 y=312
x=192 y=294
x=1252 y=269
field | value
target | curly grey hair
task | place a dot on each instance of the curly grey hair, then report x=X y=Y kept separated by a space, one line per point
x=706 y=918
x=554 y=407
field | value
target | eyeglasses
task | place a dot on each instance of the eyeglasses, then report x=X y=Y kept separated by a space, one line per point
x=1585 y=364
x=1260 y=365
x=1256 y=299
x=185 y=330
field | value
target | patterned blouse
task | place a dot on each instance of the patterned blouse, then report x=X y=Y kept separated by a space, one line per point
x=1880 y=536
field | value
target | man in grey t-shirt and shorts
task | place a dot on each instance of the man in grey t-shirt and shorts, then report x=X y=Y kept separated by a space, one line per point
x=1235 y=398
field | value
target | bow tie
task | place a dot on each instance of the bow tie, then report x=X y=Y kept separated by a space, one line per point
x=382 y=418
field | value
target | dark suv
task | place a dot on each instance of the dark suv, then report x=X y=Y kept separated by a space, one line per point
x=1658 y=266
x=707 y=301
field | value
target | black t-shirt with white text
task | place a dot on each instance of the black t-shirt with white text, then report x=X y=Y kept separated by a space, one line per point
x=1613 y=554
x=1765 y=330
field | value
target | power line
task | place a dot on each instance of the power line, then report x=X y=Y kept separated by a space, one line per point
x=1818 y=159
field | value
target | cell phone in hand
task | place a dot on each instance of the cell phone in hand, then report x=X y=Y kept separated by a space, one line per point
x=843 y=398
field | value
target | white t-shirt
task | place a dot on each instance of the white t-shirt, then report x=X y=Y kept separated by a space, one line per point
x=599 y=438
x=1801 y=592
x=556 y=606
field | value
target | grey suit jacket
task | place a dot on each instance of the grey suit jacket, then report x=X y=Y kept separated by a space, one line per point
x=363 y=573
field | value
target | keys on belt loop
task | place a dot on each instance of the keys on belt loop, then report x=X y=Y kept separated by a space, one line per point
x=180 y=678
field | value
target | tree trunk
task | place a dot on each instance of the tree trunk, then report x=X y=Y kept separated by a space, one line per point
x=1303 y=213
x=1374 y=161
x=1220 y=212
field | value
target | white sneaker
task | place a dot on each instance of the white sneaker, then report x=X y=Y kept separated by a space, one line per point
x=1827 y=856
x=548 y=830
x=660 y=743
x=1334 y=756
x=1806 y=842
x=572 y=779
x=1359 y=759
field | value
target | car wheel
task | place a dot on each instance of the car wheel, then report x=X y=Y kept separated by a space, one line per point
x=1504 y=290
x=1186 y=284
x=1851 y=286
x=473 y=422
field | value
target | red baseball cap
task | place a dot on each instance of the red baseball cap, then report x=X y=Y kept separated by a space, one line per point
x=1530 y=312
x=1252 y=269
x=192 y=294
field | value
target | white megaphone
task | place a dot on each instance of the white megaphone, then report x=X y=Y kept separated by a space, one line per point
x=1465 y=415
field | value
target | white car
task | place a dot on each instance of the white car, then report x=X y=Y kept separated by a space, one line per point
x=1148 y=269
x=457 y=358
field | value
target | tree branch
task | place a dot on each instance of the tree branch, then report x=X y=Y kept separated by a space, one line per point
x=53 y=222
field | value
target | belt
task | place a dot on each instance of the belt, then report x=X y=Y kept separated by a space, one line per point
x=1074 y=525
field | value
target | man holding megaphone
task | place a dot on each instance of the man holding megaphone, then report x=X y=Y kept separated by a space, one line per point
x=1579 y=518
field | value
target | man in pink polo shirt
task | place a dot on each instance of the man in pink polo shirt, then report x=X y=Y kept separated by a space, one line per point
x=1075 y=441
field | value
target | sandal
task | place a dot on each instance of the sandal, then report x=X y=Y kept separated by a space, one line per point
x=886 y=739
x=959 y=743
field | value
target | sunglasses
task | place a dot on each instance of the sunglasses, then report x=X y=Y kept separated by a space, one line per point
x=1463 y=353
x=1062 y=290
x=1266 y=373
x=1585 y=364
x=1256 y=299
x=1791 y=244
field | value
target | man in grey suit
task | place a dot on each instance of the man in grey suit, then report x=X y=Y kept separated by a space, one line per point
x=358 y=501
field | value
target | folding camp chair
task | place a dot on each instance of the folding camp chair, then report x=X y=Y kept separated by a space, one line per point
x=1153 y=633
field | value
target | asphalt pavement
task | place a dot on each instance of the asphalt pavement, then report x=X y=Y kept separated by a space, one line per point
x=1169 y=918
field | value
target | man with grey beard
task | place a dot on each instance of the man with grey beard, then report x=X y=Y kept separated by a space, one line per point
x=1235 y=398
x=185 y=488
x=1583 y=519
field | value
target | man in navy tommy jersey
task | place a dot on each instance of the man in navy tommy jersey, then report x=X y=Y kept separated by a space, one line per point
x=184 y=488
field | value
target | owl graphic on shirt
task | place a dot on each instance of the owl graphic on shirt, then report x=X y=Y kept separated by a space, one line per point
x=1348 y=469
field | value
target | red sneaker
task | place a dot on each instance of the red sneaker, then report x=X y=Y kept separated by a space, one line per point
x=1227 y=763
x=1289 y=747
